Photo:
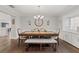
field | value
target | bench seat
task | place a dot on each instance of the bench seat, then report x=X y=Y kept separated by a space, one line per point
x=40 y=41
x=50 y=41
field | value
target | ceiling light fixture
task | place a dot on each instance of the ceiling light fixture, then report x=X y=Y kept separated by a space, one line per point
x=11 y=6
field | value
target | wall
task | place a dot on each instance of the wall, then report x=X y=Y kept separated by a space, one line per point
x=13 y=14
x=68 y=35
x=4 y=18
x=53 y=26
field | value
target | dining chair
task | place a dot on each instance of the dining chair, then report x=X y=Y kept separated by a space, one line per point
x=35 y=30
x=56 y=37
x=45 y=36
x=20 y=38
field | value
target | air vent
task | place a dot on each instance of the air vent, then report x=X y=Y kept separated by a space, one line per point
x=11 y=6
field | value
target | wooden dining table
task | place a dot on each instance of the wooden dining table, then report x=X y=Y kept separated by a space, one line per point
x=38 y=33
x=30 y=34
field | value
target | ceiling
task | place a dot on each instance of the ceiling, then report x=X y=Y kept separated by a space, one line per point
x=52 y=10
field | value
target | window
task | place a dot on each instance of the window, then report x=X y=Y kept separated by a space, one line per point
x=66 y=24
x=71 y=24
x=75 y=23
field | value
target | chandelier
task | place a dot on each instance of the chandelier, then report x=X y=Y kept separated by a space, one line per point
x=38 y=18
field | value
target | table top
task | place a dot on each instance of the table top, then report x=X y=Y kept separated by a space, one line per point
x=38 y=33
x=40 y=41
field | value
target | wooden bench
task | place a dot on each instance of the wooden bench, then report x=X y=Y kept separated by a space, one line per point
x=52 y=43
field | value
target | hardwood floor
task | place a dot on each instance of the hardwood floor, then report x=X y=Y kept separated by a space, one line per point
x=64 y=47
x=4 y=43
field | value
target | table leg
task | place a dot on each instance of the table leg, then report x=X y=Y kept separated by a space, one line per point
x=39 y=37
x=29 y=37
x=27 y=46
x=55 y=46
x=58 y=40
x=40 y=47
x=18 y=41
x=51 y=46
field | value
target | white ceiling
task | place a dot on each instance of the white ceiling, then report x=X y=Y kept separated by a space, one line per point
x=53 y=10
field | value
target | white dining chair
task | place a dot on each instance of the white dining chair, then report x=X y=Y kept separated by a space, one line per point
x=20 y=38
x=56 y=37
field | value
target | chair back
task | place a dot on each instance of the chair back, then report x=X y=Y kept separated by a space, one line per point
x=18 y=31
x=35 y=30
x=58 y=33
x=43 y=30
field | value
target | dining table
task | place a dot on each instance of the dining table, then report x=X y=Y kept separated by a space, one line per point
x=39 y=34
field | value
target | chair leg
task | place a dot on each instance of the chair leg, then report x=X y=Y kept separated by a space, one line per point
x=24 y=42
x=26 y=48
x=54 y=47
x=57 y=41
x=40 y=47
x=18 y=42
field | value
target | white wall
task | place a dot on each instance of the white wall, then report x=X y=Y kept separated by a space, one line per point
x=4 y=18
x=13 y=14
x=68 y=35
x=53 y=26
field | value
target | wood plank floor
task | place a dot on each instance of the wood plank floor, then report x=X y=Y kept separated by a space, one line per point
x=64 y=47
